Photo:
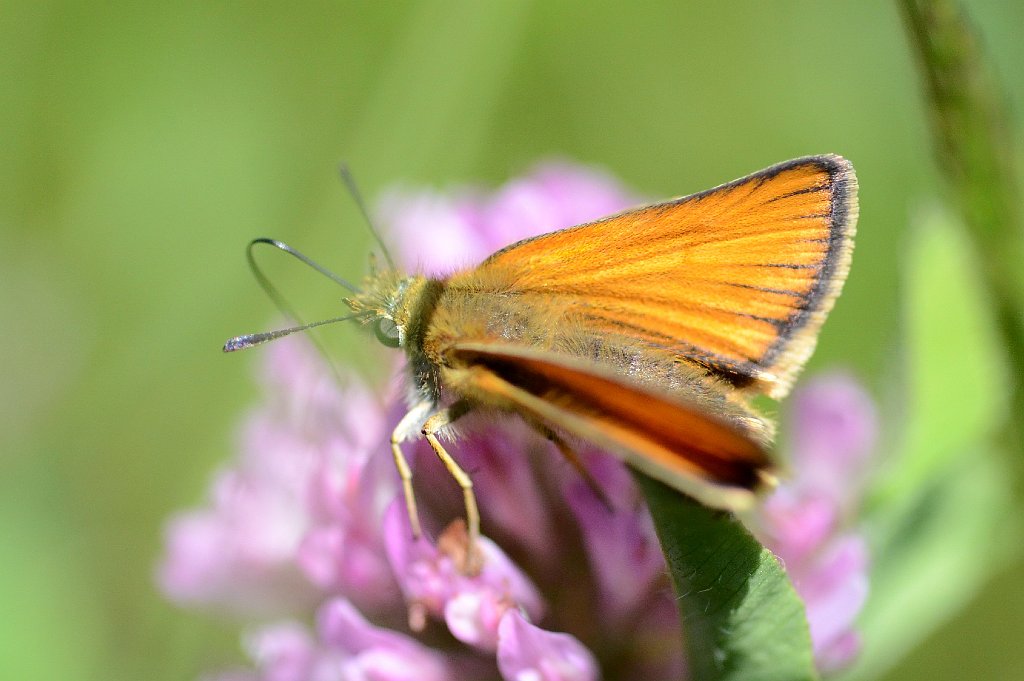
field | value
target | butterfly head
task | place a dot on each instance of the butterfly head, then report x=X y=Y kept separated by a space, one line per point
x=384 y=302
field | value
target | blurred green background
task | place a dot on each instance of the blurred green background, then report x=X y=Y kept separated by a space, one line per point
x=143 y=144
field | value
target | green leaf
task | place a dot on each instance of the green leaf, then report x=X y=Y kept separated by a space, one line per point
x=742 y=620
x=932 y=555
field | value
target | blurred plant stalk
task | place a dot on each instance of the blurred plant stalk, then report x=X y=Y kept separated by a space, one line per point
x=976 y=153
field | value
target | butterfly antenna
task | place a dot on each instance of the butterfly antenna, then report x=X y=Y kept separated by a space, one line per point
x=242 y=342
x=252 y=339
x=269 y=288
x=353 y=189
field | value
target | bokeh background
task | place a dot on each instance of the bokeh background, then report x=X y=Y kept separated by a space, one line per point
x=143 y=144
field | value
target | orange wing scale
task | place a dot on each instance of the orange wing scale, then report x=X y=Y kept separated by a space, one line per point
x=737 y=279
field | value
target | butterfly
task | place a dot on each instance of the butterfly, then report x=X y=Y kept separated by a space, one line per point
x=646 y=333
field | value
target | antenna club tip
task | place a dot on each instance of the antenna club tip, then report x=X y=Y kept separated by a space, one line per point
x=236 y=343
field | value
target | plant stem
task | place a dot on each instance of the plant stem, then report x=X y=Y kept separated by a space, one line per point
x=975 y=149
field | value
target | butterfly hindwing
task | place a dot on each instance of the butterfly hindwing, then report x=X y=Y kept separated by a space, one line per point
x=715 y=454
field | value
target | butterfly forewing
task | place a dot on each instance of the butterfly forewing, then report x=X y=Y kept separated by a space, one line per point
x=737 y=279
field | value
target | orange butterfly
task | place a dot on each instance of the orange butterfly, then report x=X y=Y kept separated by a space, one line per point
x=645 y=333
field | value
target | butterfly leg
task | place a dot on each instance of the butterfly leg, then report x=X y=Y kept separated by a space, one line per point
x=434 y=424
x=406 y=428
x=570 y=455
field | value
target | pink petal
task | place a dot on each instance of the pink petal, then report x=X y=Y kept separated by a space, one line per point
x=433 y=233
x=529 y=653
x=375 y=653
x=839 y=654
x=797 y=523
x=473 y=617
x=283 y=652
x=620 y=542
x=835 y=590
x=834 y=427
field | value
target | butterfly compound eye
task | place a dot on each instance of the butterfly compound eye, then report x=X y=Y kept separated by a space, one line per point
x=387 y=332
